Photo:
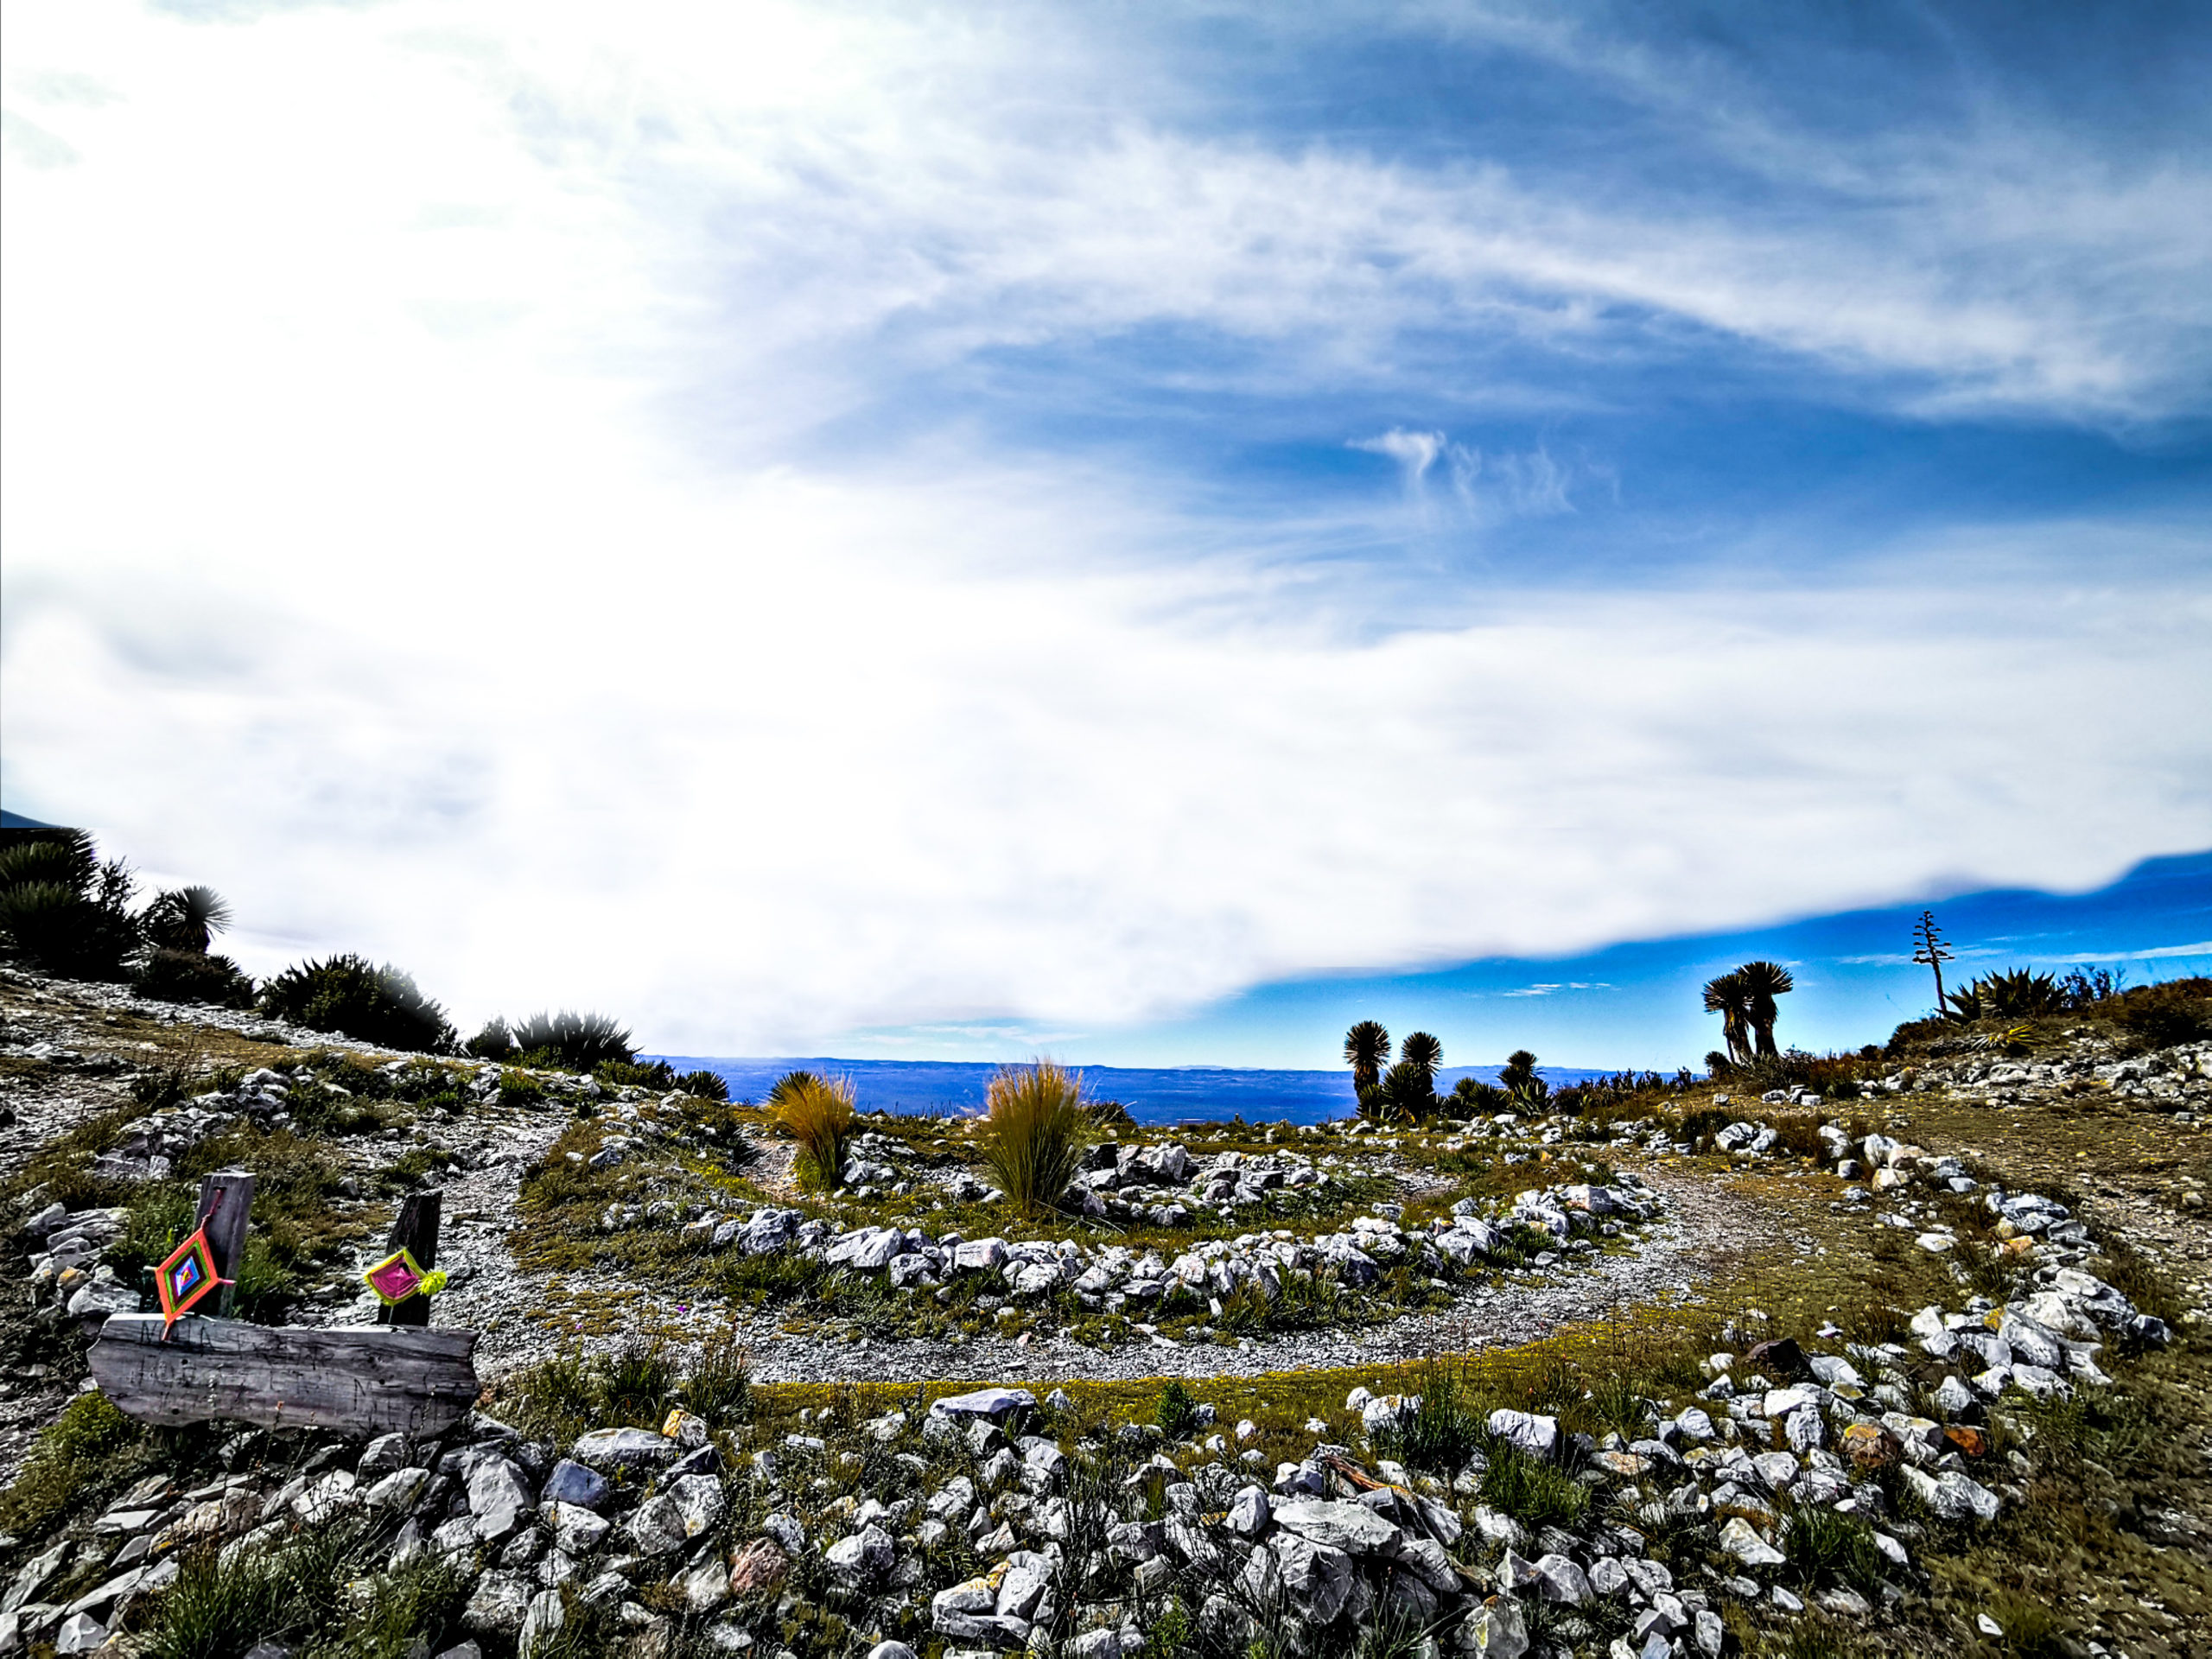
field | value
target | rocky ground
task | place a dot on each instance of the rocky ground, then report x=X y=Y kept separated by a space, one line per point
x=1900 y=1367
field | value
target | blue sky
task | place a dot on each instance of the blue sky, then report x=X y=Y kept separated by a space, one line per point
x=1638 y=1004
x=818 y=527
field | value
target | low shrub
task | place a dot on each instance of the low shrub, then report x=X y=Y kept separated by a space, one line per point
x=193 y=976
x=573 y=1042
x=818 y=1112
x=352 y=995
x=1176 y=1412
x=2162 y=1016
x=1035 y=1131
x=657 y=1075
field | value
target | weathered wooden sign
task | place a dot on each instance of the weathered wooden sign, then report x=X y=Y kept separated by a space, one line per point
x=397 y=1376
x=367 y=1379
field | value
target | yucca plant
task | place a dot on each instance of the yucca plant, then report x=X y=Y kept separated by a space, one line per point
x=185 y=918
x=1520 y=1078
x=1763 y=981
x=1728 y=997
x=818 y=1112
x=1036 y=1127
x=1424 y=1053
x=1367 y=1051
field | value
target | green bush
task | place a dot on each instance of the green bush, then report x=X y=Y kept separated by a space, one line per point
x=2164 y=1016
x=191 y=976
x=718 y=1384
x=352 y=995
x=185 y=918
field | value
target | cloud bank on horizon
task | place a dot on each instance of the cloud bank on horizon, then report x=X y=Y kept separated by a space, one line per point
x=788 y=520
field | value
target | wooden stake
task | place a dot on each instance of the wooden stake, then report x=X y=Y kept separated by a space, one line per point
x=414 y=1230
x=226 y=1222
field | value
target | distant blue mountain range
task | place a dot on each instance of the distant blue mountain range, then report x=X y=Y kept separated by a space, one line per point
x=1165 y=1095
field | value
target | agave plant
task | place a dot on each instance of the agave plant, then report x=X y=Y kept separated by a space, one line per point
x=1367 y=1051
x=185 y=918
x=2015 y=993
x=1406 y=1094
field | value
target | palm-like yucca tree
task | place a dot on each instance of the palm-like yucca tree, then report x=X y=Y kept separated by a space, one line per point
x=1367 y=1051
x=1763 y=981
x=186 y=918
x=1729 y=997
x=1424 y=1053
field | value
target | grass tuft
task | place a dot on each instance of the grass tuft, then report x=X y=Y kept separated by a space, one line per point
x=1035 y=1130
x=1536 y=1494
x=818 y=1112
x=1447 y=1429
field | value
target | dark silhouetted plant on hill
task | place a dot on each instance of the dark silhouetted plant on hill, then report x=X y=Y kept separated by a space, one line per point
x=1471 y=1095
x=572 y=1041
x=1406 y=1094
x=1930 y=950
x=358 y=998
x=194 y=976
x=493 y=1041
x=2014 y=994
x=65 y=908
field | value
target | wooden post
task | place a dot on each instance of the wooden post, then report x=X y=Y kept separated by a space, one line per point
x=226 y=1226
x=414 y=1230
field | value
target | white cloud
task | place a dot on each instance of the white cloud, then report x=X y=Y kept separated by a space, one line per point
x=1416 y=452
x=353 y=567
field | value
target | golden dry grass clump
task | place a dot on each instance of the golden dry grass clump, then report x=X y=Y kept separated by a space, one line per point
x=818 y=1112
x=1036 y=1127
